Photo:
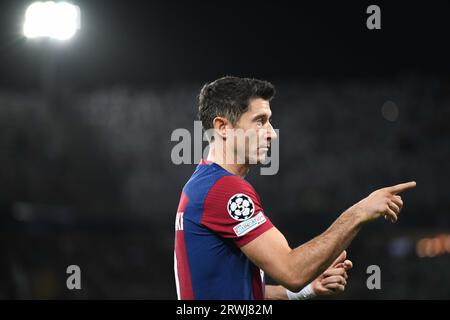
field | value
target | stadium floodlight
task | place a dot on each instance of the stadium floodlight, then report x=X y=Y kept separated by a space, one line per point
x=59 y=20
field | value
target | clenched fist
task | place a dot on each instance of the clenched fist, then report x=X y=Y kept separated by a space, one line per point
x=383 y=202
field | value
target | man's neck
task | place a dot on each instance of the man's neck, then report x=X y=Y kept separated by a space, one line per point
x=237 y=169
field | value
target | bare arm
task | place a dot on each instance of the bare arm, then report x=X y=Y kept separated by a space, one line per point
x=276 y=293
x=295 y=268
x=333 y=281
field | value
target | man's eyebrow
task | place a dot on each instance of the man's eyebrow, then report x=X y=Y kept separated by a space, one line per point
x=261 y=115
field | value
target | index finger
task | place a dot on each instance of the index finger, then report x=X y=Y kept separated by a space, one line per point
x=401 y=187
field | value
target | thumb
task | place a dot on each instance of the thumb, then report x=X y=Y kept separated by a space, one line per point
x=340 y=258
x=348 y=264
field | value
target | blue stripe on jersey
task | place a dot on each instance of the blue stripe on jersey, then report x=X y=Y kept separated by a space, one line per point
x=219 y=269
x=198 y=186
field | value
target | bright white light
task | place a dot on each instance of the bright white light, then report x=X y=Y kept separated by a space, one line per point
x=49 y=19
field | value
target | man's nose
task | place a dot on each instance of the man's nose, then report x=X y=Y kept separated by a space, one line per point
x=271 y=132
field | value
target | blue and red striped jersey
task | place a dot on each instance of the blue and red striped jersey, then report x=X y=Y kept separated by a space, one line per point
x=218 y=213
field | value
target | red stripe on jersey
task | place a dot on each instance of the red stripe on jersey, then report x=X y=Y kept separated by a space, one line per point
x=257 y=284
x=183 y=202
x=181 y=264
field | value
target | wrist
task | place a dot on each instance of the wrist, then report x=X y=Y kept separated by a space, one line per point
x=306 y=293
x=358 y=214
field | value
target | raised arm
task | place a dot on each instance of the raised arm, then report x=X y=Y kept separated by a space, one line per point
x=295 y=268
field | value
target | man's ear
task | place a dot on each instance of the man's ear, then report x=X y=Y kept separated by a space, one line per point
x=221 y=125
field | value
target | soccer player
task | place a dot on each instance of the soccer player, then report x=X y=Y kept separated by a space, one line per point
x=225 y=241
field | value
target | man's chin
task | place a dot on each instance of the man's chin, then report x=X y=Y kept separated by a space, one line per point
x=260 y=160
x=262 y=157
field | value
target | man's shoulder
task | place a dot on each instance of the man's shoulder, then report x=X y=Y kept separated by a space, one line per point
x=202 y=180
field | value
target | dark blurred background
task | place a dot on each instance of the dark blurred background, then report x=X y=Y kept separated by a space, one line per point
x=86 y=176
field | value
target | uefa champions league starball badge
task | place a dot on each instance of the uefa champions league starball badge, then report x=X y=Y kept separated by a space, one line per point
x=240 y=207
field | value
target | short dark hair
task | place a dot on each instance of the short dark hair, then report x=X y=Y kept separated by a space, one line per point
x=229 y=97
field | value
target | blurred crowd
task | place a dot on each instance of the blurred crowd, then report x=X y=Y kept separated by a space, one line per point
x=87 y=179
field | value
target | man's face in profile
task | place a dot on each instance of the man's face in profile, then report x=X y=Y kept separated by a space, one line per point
x=253 y=133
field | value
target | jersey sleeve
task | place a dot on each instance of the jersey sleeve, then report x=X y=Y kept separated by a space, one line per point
x=232 y=209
